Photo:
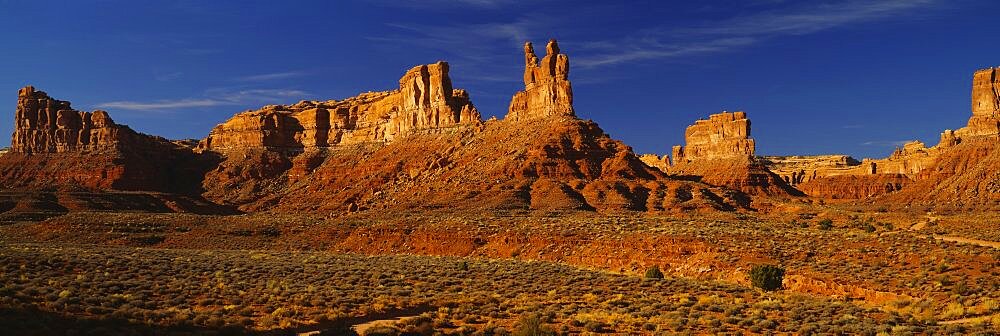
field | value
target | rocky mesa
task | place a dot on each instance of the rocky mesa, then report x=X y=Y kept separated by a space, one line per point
x=719 y=151
x=424 y=101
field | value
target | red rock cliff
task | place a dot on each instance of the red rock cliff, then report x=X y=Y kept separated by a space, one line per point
x=724 y=135
x=985 y=118
x=46 y=125
x=547 y=90
x=424 y=102
x=719 y=151
x=57 y=147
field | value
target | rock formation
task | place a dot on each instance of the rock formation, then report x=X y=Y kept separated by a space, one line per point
x=55 y=147
x=719 y=151
x=547 y=90
x=723 y=135
x=46 y=125
x=656 y=161
x=800 y=169
x=959 y=165
x=985 y=120
x=540 y=158
x=425 y=101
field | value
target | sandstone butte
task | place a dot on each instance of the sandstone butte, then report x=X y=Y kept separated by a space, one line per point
x=961 y=170
x=421 y=146
x=55 y=146
x=719 y=151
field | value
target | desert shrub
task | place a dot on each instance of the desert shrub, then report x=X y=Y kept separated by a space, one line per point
x=594 y=326
x=381 y=331
x=270 y=232
x=146 y=240
x=654 y=273
x=531 y=325
x=767 y=277
x=826 y=224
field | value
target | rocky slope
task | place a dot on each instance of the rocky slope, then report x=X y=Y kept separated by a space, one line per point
x=964 y=172
x=959 y=171
x=540 y=157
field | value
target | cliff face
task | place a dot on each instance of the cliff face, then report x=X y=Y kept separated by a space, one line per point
x=985 y=120
x=719 y=151
x=547 y=90
x=424 y=102
x=723 y=135
x=800 y=169
x=46 y=125
x=57 y=147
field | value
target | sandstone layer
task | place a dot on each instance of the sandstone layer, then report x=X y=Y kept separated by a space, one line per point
x=547 y=91
x=46 y=125
x=723 y=135
x=425 y=101
x=800 y=169
x=719 y=151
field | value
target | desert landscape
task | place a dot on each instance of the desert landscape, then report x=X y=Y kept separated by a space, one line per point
x=406 y=212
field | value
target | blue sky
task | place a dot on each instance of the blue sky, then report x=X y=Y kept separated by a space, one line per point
x=853 y=77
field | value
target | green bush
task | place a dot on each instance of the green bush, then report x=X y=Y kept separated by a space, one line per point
x=654 y=273
x=767 y=277
x=826 y=224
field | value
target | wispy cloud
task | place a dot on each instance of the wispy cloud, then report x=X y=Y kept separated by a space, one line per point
x=218 y=97
x=886 y=143
x=271 y=76
x=812 y=18
x=634 y=52
x=479 y=43
x=161 y=104
x=746 y=30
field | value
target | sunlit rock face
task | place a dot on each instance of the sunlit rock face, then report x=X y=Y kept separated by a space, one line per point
x=985 y=120
x=46 y=125
x=425 y=102
x=723 y=135
x=547 y=90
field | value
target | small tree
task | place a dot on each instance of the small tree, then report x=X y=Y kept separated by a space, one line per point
x=654 y=273
x=767 y=277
